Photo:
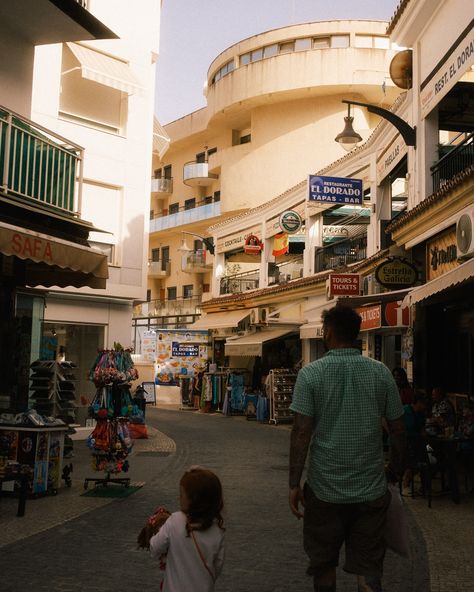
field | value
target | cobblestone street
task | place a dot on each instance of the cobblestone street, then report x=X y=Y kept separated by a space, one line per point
x=71 y=543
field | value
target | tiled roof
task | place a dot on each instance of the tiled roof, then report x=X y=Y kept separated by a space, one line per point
x=397 y=15
x=443 y=192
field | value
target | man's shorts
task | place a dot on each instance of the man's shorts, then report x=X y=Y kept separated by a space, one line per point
x=361 y=526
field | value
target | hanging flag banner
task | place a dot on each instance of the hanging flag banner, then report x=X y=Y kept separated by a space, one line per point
x=335 y=190
x=280 y=244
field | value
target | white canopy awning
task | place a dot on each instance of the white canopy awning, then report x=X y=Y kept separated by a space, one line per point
x=220 y=320
x=455 y=277
x=252 y=344
x=311 y=331
x=104 y=69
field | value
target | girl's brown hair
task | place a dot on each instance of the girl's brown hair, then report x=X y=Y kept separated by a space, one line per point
x=204 y=492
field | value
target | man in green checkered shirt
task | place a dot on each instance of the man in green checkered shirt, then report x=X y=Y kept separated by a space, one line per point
x=340 y=402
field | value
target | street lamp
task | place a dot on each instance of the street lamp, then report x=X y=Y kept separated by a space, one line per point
x=207 y=241
x=407 y=132
x=348 y=138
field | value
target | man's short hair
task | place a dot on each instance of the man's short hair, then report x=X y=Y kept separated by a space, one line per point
x=344 y=322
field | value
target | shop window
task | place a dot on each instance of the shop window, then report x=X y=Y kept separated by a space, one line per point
x=339 y=41
x=174 y=208
x=303 y=44
x=321 y=42
x=188 y=291
x=171 y=293
x=190 y=204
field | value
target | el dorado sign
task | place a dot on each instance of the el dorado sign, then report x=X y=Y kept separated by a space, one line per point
x=396 y=273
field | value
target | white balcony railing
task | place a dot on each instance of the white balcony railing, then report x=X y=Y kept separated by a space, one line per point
x=186 y=217
x=197 y=174
x=164 y=186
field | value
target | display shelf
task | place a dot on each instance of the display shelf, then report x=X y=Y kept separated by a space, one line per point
x=280 y=394
x=52 y=389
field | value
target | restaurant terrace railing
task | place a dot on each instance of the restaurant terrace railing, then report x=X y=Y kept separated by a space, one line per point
x=38 y=165
x=340 y=254
x=239 y=282
x=169 y=307
x=459 y=158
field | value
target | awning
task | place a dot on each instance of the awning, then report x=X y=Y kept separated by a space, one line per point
x=455 y=277
x=392 y=296
x=105 y=69
x=220 y=320
x=311 y=331
x=57 y=262
x=252 y=344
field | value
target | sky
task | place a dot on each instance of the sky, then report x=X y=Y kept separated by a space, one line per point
x=195 y=32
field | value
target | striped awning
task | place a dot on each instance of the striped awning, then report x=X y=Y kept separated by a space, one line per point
x=105 y=69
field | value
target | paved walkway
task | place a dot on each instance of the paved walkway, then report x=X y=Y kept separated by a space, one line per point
x=69 y=543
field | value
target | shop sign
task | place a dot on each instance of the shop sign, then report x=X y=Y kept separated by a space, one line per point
x=179 y=349
x=454 y=65
x=395 y=315
x=253 y=245
x=149 y=345
x=344 y=284
x=396 y=273
x=441 y=255
x=371 y=317
x=335 y=190
x=335 y=232
x=237 y=241
x=273 y=226
x=390 y=157
x=290 y=222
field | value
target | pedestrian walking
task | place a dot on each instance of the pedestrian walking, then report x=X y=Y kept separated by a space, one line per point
x=339 y=403
x=193 y=538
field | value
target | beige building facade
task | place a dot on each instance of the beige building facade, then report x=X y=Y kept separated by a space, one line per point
x=273 y=107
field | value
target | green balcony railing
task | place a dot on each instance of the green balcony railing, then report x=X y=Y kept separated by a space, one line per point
x=37 y=165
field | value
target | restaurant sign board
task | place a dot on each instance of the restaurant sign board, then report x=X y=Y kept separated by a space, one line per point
x=396 y=273
x=333 y=190
x=344 y=284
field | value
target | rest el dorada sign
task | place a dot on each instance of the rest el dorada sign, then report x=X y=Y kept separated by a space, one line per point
x=337 y=190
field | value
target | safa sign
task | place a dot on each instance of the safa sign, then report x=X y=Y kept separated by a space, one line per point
x=335 y=190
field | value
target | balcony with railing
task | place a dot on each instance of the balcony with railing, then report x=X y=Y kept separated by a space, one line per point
x=340 y=254
x=457 y=159
x=38 y=166
x=196 y=174
x=169 y=308
x=161 y=186
x=196 y=262
x=159 y=269
x=239 y=282
x=165 y=220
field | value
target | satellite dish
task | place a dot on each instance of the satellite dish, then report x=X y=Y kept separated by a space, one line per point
x=401 y=69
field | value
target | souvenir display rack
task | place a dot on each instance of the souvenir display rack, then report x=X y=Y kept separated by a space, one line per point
x=53 y=389
x=112 y=408
x=281 y=384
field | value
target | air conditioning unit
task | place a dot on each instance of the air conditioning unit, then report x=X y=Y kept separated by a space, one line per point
x=465 y=234
x=259 y=316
